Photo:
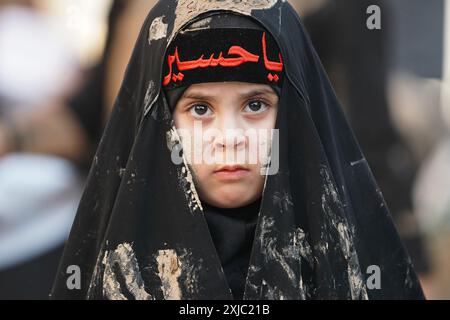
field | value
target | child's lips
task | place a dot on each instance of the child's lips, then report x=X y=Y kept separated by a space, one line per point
x=231 y=173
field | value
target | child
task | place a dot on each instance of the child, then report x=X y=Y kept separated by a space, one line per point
x=187 y=200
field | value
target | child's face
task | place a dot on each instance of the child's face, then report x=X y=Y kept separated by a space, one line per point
x=226 y=129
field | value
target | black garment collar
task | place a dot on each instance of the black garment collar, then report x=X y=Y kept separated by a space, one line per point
x=233 y=233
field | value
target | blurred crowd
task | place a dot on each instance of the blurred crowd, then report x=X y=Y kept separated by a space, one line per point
x=58 y=86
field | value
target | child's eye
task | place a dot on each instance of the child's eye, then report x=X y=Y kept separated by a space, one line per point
x=200 y=111
x=256 y=107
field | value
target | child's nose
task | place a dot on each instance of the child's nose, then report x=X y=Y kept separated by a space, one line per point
x=231 y=134
x=231 y=139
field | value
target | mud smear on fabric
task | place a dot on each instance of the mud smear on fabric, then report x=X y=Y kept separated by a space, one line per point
x=122 y=276
x=186 y=177
x=293 y=249
x=199 y=25
x=178 y=274
x=188 y=9
x=158 y=30
x=330 y=198
x=283 y=200
x=123 y=261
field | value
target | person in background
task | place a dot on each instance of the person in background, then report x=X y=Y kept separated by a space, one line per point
x=66 y=127
x=71 y=128
x=351 y=52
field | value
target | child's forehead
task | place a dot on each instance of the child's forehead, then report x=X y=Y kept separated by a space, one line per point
x=226 y=88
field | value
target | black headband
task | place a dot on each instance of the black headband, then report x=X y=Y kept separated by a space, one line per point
x=221 y=47
x=221 y=55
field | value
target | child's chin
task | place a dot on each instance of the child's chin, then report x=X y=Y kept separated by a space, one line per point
x=232 y=199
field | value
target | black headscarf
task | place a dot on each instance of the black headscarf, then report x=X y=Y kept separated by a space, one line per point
x=141 y=231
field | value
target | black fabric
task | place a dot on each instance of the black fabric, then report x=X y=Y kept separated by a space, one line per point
x=31 y=280
x=362 y=53
x=200 y=56
x=233 y=232
x=174 y=95
x=141 y=232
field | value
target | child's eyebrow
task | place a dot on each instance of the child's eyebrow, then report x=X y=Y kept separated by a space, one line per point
x=257 y=92
x=244 y=95
x=198 y=96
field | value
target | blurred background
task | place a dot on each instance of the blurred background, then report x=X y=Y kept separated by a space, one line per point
x=62 y=63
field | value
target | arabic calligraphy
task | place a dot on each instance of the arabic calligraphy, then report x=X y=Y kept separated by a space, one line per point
x=241 y=56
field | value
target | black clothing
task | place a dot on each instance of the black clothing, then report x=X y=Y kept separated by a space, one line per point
x=233 y=233
x=141 y=231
